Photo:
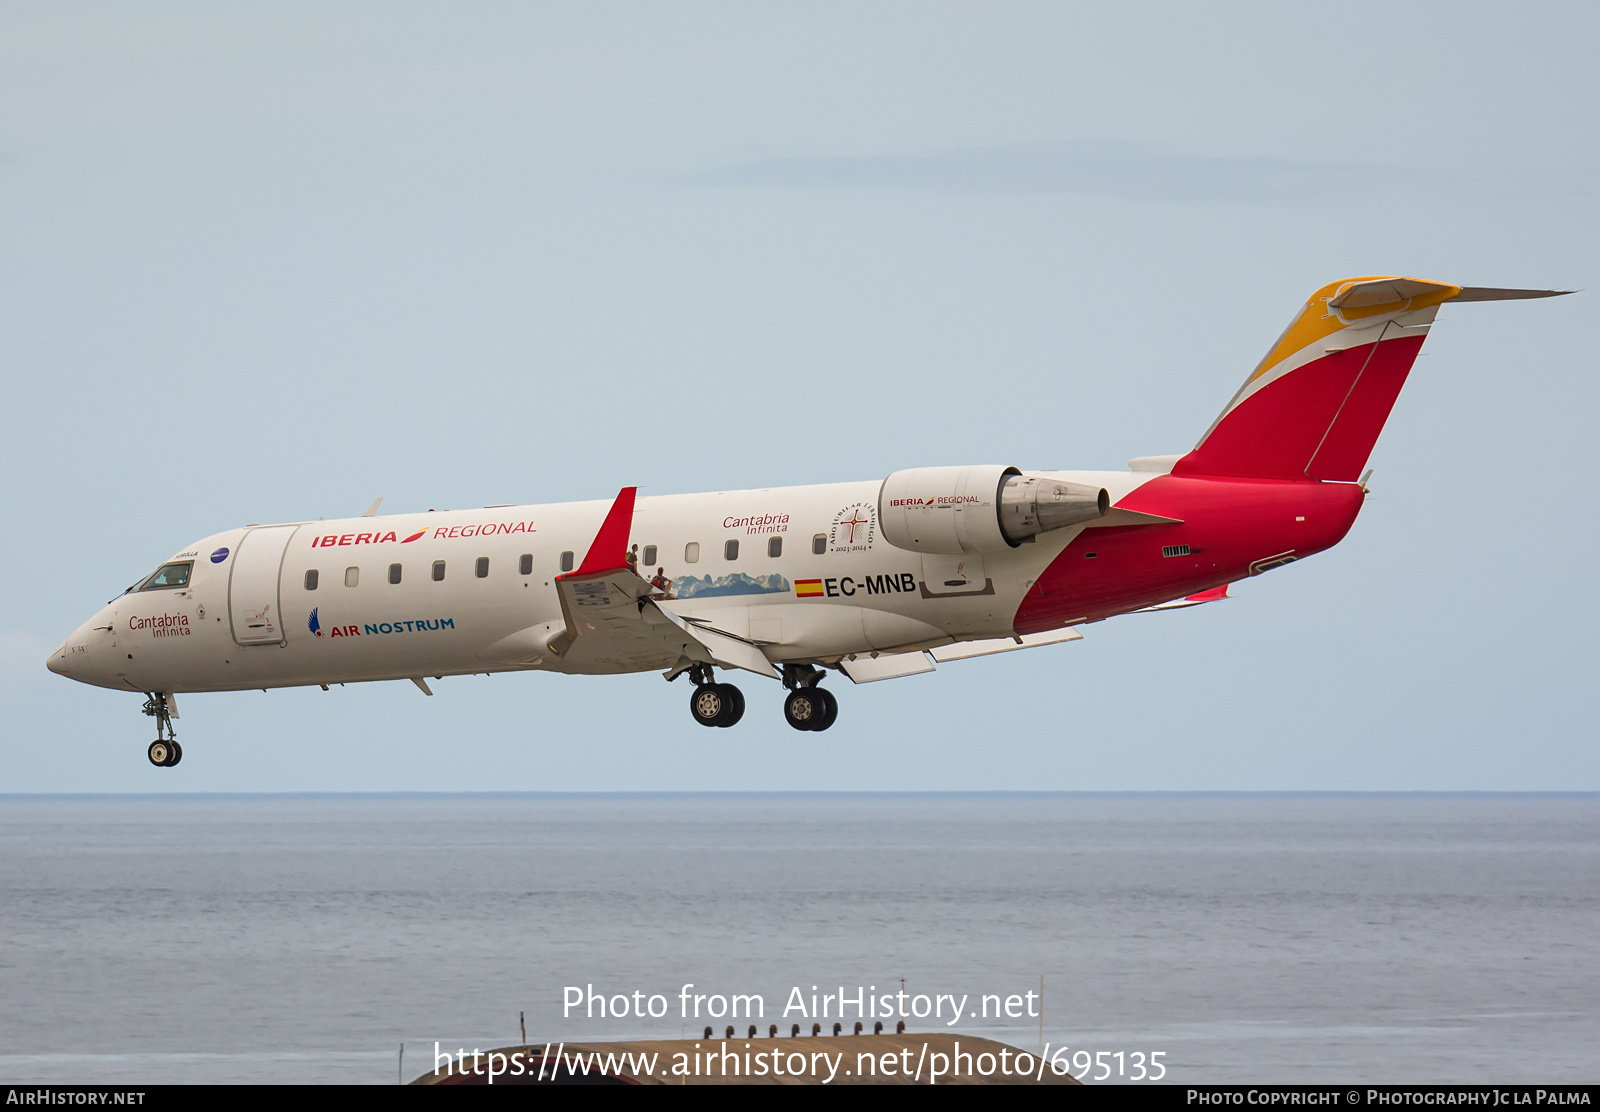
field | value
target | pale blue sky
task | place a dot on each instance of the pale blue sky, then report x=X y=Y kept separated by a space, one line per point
x=268 y=263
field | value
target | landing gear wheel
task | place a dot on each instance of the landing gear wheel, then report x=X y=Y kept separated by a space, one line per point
x=830 y=708
x=735 y=707
x=709 y=703
x=164 y=751
x=804 y=708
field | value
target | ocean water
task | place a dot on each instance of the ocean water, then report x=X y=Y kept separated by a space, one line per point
x=1382 y=938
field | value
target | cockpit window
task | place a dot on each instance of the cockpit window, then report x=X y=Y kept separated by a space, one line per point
x=168 y=575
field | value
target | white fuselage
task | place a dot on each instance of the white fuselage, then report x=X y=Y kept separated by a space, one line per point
x=229 y=628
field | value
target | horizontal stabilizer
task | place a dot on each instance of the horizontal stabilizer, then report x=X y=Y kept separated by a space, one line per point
x=1387 y=295
x=1490 y=293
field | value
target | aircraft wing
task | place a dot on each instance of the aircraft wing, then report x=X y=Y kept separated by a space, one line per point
x=866 y=668
x=612 y=622
x=721 y=648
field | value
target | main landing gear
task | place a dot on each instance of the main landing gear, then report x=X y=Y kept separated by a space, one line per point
x=164 y=751
x=714 y=704
x=808 y=707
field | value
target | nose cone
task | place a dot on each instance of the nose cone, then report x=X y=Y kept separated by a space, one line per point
x=83 y=655
x=71 y=659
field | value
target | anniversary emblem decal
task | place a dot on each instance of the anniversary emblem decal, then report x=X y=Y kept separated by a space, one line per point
x=854 y=528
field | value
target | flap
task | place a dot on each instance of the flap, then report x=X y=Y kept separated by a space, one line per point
x=963 y=650
x=721 y=648
x=885 y=666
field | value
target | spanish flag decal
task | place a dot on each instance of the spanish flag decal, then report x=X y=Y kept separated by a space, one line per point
x=808 y=588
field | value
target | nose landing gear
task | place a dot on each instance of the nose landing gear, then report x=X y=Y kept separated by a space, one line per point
x=164 y=751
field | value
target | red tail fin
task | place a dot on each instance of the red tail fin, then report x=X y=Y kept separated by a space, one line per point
x=1314 y=406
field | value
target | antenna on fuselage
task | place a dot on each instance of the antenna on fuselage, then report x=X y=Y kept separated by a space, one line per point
x=372 y=510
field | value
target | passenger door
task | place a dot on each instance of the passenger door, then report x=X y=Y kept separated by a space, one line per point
x=253 y=604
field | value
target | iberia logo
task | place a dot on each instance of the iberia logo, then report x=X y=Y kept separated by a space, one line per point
x=440 y=532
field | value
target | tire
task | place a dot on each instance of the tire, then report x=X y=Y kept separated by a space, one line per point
x=159 y=753
x=708 y=703
x=735 y=704
x=803 y=709
x=177 y=753
x=830 y=709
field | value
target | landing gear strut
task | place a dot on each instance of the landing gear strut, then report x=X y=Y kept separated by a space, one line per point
x=164 y=751
x=714 y=704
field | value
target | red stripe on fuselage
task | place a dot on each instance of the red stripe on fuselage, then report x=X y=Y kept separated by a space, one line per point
x=1228 y=525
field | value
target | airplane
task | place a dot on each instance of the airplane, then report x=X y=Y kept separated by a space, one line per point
x=875 y=579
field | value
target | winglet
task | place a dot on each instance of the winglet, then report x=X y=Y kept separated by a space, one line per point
x=610 y=547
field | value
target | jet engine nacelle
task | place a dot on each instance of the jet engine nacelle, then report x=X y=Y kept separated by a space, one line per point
x=986 y=508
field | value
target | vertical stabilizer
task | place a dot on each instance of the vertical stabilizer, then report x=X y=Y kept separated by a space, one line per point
x=1313 y=408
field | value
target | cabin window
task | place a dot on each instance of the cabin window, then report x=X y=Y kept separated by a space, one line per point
x=649 y=554
x=730 y=551
x=691 y=552
x=774 y=546
x=311 y=580
x=168 y=575
x=352 y=576
x=438 y=571
x=526 y=566
x=394 y=573
x=566 y=561
x=482 y=570
x=819 y=544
